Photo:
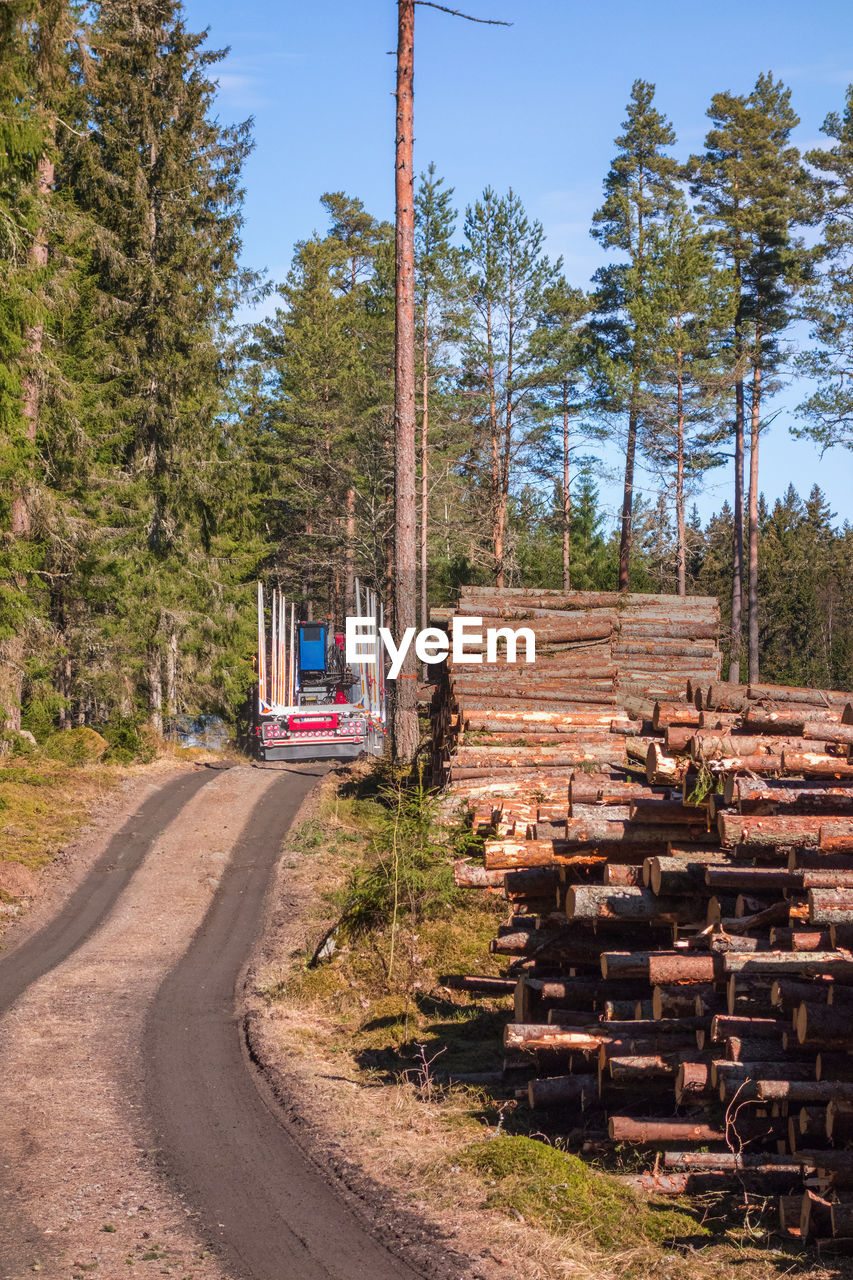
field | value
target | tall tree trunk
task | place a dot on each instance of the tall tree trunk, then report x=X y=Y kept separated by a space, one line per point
x=349 y=555
x=679 y=485
x=405 y=712
x=424 y=461
x=567 y=496
x=737 y=541
x=753 y=518
x=497 y=523
x=628 y=494
x=155 y=689
x=172 y=674
x=308 y=578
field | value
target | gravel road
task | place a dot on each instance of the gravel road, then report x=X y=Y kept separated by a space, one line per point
x=134 y=1128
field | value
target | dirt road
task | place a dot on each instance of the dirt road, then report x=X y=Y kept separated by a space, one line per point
x=134 y=1129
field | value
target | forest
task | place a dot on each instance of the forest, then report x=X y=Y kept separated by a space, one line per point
x=158 y=454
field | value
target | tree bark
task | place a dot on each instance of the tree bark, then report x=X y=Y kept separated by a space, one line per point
x=753 y=519
x=424 y=459
x=628 y=495
x=567 y=497
x=405 y=712
x=349 y=554
x=679 y=486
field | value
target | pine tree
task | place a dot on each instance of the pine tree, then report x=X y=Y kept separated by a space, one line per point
x=511 y=274
x=439 y=321
x=753 y=192
x=829 y=410
x=639 y=191
x=320 y=418
x=692 y=304
x=562 y=344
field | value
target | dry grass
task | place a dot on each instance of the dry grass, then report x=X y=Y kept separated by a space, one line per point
x=365 y=1054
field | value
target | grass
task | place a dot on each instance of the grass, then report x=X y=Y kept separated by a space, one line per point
x=561 y=1193
x=48 y=792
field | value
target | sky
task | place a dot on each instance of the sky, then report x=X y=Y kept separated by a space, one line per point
x=534 y=106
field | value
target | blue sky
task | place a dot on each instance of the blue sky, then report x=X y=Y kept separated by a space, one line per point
x=534 y=106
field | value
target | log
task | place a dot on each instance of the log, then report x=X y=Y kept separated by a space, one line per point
x=642 y=1066
x=670 y=968
x=797 y=939
x=657 y=1132
x=692 y=1080
x=469 y=876
x=613 y=902
x=623 y=875
x=823 y=1026
x=677 y=875
x=813 y=765
x=814 y=1215
x=752 y=879
x=804 y=1091
x=706 y=744
x=543 y=1036
x=789 y=693
x=669 y=812
x=755 y=830
x=602 y=789
x=682 y=1000
x=830 y=906
x=663 y=769
x=790 y=723
x=752 y=795
x=833 y=963
x=837 y=836
x=560 y=1091
x=825 y=731
x=760 y=1161
x=838 y=1120
x=665 y=714
x=723 y=1026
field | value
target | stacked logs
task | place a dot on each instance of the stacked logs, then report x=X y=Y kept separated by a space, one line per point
x=504 y=730
x=681 y=934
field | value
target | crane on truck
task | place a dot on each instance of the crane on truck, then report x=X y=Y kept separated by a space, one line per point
x=310 y=704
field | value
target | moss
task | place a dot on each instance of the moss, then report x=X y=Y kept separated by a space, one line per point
x=561 y=1193
x=75 y=746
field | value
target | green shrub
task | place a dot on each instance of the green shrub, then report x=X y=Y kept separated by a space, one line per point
x=408 y=875
x=127 y=742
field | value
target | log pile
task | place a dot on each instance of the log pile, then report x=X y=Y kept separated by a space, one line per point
x=680 y=931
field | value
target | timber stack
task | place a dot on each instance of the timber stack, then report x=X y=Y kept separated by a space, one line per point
x=679 y=874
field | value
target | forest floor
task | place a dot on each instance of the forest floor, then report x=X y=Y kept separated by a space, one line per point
x=365 y=1058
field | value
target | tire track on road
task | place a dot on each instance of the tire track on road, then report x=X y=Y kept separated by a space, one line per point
x=222 y=1135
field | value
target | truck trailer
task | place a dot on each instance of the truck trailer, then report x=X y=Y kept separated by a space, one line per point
x=310 y=704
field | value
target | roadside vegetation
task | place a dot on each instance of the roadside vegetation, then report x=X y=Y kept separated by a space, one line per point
x=392 y=1059
x=52 y=784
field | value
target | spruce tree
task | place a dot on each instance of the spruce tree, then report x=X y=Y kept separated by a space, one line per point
x=640 y=191
x=753 y=192
x=160 y=177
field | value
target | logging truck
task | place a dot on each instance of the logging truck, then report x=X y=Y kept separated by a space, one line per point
x=309 y=702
